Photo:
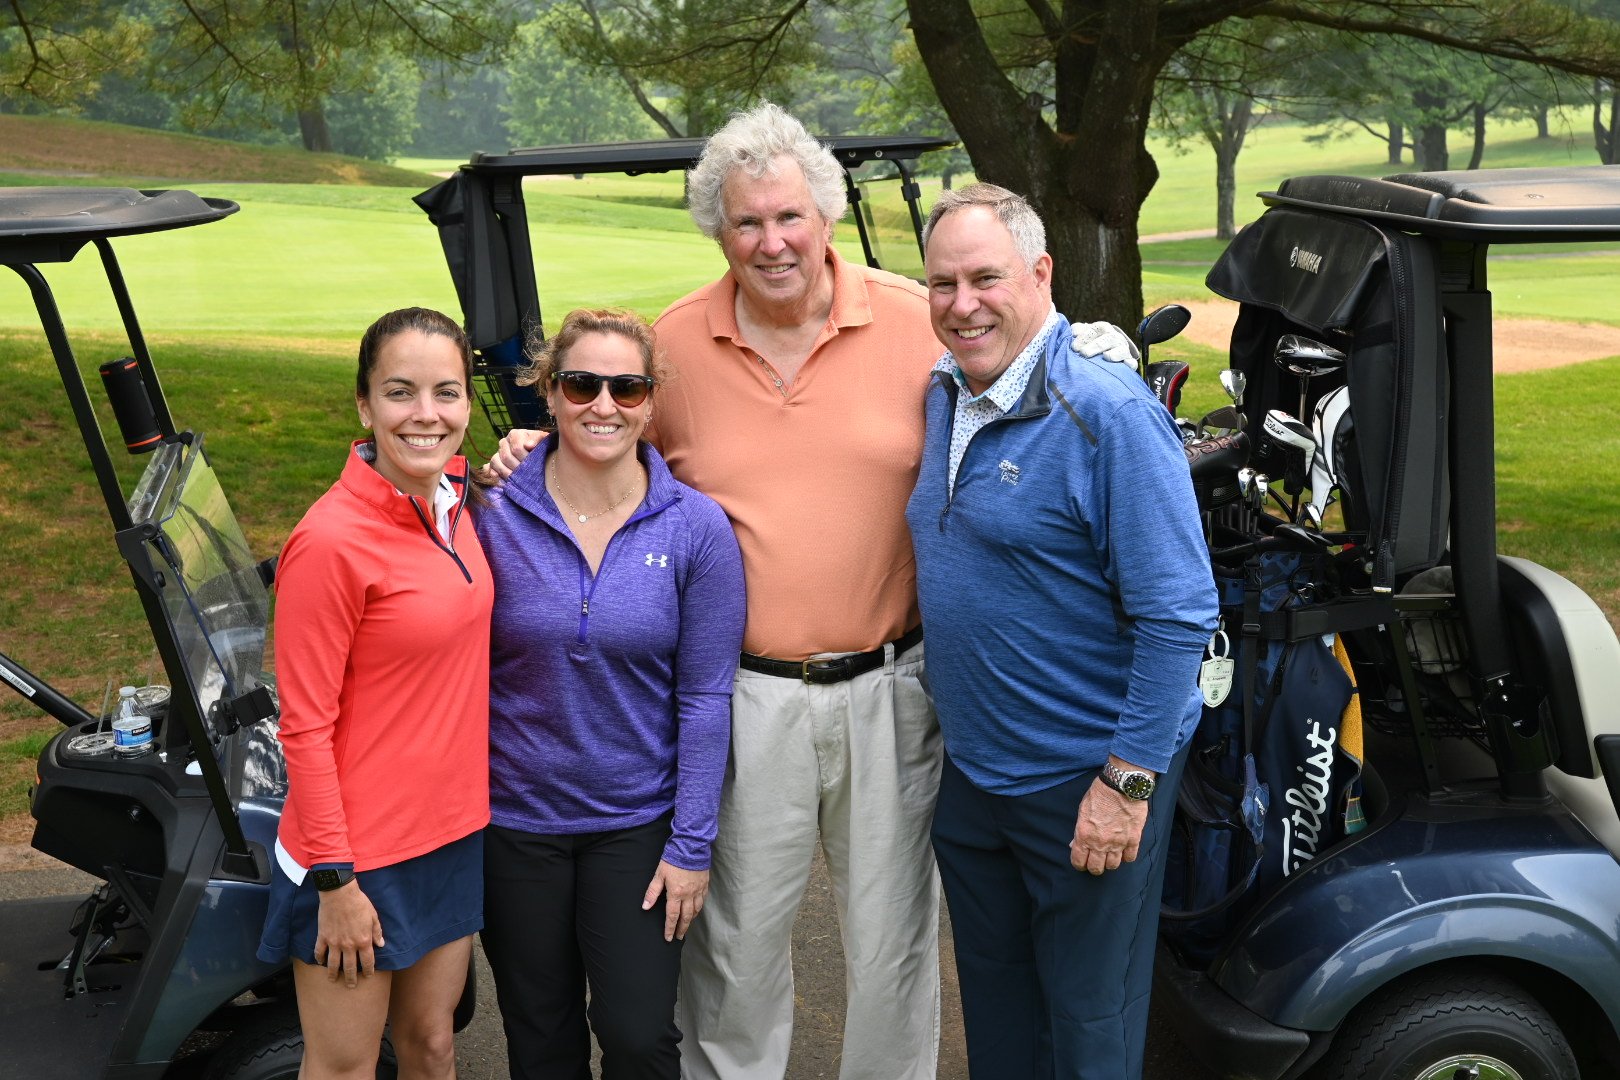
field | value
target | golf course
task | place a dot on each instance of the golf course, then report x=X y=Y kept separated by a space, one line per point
x=252 y=323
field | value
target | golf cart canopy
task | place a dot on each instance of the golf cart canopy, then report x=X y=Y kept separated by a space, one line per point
x=1495 y=206
x=662 y=155
x=51 y=224
x=483 y=225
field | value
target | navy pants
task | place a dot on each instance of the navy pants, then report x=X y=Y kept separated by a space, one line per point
x=1055 y=965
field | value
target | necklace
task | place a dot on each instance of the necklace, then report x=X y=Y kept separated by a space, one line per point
x=582 y=517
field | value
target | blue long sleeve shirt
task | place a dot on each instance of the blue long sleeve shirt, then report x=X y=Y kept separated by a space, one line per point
x=1064 y=584
x=610 y=694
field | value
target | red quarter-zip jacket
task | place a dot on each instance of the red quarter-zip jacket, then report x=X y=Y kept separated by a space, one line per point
x=382 y=665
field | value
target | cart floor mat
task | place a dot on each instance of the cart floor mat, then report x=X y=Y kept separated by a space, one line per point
x=43 y=1033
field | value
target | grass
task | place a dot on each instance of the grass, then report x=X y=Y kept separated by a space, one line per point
x=253 y=320
x=53 y=150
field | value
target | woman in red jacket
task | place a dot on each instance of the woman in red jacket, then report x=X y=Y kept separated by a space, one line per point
x=382 y=657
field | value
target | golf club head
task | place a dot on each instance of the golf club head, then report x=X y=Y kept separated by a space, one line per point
x=1226 y=420
x=1209 y=457
x=1234 y=383
x=1287 y=443
x=1162 y=324
x=1165 y=379
x=1307 y=358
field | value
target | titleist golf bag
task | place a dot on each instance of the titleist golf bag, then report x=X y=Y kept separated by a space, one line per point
x=1269 y=784
x=1272 y=780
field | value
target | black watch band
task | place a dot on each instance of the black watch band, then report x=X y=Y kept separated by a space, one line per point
x=327 y=880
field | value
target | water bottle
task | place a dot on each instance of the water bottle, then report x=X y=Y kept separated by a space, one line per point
x=132 y=729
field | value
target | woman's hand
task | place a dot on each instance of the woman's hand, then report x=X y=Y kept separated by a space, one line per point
x=515 y=446
x=686 y=890
x=347 y=932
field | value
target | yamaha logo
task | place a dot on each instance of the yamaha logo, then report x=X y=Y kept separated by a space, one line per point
x=1300 y=259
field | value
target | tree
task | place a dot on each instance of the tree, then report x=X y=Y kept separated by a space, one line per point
x=1209 y=90
x=291 y=56
x=1085 y=165
x=553 y=98
x=717 y=55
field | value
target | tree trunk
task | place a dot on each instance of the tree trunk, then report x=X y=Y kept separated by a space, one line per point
x=1479 y=135
x=1542 y=131
x=1429 y=150
x=1397 y=140
x=1603 y=135
x=945 y=177
x=1089 y=177
x=312 y=127
x=1234 y=126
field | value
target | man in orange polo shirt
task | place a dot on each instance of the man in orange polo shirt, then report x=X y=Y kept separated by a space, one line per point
x=797 y=405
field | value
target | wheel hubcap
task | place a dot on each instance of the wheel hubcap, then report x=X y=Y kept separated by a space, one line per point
x=1469 y=1067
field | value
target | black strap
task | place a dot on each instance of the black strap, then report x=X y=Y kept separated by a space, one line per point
x=1248 y=646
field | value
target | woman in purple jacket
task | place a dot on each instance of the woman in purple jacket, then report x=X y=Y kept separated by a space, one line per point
x=617 y=626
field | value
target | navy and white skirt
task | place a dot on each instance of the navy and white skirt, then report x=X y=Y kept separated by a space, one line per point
x=422 y=903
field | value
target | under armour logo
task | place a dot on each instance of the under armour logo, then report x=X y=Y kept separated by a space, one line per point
x=1009 y=472
x=657 y=560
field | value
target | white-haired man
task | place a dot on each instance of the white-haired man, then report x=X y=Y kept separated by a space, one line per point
x=1067 y=596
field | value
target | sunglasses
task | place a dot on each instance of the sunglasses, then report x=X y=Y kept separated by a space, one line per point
x=582 y=387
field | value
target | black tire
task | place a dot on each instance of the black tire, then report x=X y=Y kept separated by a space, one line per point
x=1434 y=1026
x=273 y=1049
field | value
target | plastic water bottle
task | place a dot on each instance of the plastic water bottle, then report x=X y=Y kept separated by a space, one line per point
x=132 y=729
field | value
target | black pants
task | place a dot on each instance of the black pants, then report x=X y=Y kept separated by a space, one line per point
x=561 y=912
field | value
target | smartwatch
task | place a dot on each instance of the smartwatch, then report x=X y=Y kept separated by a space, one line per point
x=327 y=880
x=1132 y=784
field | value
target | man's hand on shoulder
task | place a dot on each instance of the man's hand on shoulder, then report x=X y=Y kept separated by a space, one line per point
x=515 y=446
x=1108 y=829
x=1105 y=340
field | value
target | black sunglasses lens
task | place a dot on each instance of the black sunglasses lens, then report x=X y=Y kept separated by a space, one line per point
x=582 y=387
x=628 y=390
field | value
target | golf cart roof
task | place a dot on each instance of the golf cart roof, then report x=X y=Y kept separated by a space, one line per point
x=662 y=155
x=1515 y=206
x=50 y=224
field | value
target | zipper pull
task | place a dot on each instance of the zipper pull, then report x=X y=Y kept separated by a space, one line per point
x=943 y=511
x=585 y=607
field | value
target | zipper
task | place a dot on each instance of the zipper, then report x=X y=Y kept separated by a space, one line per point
x=433 y=533
x=589 y=581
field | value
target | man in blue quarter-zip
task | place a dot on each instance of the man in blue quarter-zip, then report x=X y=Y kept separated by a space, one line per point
x=1067 y=598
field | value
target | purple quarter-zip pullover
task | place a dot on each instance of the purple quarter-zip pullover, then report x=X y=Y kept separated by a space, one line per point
x=610 y=696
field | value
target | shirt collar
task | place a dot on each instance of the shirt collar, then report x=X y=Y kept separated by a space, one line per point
x=1009 y=387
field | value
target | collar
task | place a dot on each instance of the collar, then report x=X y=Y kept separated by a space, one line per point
x=851 y=306
x=362 y=480
x=1009 y=386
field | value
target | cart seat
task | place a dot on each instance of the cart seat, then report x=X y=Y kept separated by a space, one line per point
x=1567 y=647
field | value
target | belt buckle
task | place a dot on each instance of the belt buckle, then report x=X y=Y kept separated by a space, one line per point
x=826 y=664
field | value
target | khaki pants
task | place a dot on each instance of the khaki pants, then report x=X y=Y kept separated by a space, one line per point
x=857 y=762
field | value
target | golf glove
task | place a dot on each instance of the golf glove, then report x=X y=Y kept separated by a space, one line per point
x=1107 y=341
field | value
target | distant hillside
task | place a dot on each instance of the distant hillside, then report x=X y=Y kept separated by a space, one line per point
x=54 y=150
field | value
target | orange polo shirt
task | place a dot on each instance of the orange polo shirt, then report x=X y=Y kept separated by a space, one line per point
x=815 y=482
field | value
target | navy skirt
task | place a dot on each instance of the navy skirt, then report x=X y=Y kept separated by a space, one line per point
x=422 y=903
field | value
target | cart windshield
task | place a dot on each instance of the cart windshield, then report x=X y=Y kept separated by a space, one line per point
x=220 y=608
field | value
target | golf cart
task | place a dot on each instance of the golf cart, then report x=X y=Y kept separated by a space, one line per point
x=172 y=800
x=484 y=228
x=1395 y=853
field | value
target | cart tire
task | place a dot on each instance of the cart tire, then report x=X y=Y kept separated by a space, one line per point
x=273 y=1049
x=1440 y=1025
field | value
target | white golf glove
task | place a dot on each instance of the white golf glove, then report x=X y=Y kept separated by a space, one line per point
x=1107 y=341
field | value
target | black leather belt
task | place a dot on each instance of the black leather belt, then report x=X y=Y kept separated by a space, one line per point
x=835 y=669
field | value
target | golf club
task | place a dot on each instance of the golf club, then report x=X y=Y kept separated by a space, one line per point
x=1160 y=324
x=1306 y=358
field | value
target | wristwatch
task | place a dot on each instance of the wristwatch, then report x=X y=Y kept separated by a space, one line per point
x=327 y=880
x=1133 y=784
